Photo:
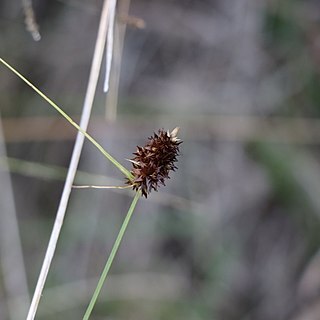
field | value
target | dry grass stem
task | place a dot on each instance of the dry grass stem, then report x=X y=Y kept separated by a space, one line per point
x=109 y=49
x=92 y=84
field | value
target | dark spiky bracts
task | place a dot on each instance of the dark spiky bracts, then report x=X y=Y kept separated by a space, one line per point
x=153 y=162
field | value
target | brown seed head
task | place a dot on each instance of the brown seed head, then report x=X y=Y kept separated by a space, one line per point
x=153 y=162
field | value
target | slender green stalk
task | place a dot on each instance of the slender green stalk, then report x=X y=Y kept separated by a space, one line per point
x=111 y=256
x=69 y=119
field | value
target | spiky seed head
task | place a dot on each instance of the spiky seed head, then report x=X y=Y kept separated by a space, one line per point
x=153 y=162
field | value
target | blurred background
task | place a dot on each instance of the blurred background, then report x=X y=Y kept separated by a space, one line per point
x=235 y=233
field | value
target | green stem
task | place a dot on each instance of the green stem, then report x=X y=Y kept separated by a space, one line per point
x=69 y=119
x=111 y=256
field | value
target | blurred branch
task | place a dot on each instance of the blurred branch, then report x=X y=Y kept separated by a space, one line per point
x=120 y=29
x=119 y=34
x=131 y=21
x=52 y=172
x=12 y=262
x=194 y=127
x=30 y=20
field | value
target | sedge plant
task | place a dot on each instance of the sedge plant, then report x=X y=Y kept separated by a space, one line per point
x=151 y=166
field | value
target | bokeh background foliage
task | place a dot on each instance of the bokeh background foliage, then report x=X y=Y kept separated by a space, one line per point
x=235 y=233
